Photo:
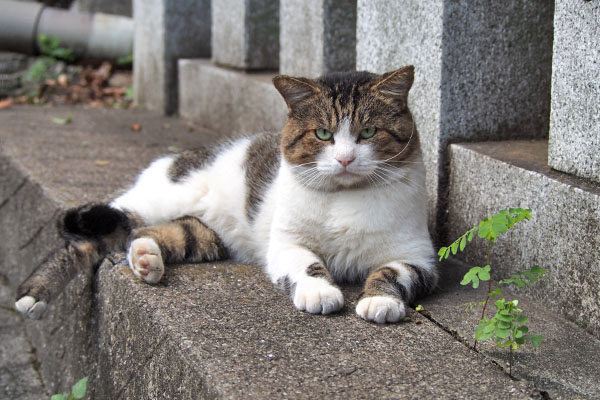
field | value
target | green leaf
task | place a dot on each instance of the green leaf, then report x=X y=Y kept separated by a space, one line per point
x=503 y=333
x=505 y=324
x=535 y=340
x=484 y=274
x=454 y=247
x=62 y=121
x=470 y=237
x=79 y=388
x=520 y=340
x=58 y=397
x=497 y=292
x=463 y=243
x=442 y=252
x=521 y=319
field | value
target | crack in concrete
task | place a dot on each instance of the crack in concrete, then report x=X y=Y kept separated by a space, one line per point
x=39 y=230
x=14 y=193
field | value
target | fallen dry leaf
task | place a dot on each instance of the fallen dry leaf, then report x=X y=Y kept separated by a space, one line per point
x=136 y=127
x=6 y=103
x=63 y=80
x=101 y=163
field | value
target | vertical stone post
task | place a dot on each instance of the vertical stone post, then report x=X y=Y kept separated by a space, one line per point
x=166 y=30
x=245 y=33
x=482 y=72
x=574 y=145
x=317 y=37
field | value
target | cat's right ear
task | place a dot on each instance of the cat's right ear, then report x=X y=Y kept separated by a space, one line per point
x=295 y=90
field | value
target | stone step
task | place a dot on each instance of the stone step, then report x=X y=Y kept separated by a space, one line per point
x=563 y=236
x=229 y=101
x=213 y=330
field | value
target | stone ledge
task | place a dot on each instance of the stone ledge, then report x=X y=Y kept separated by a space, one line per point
x=563 y=236
x=209 y=330
x=229 y=101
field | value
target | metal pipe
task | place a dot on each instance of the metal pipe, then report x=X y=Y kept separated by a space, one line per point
x=91 y=36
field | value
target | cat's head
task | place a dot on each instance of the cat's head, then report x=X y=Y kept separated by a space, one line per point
x=349 y=129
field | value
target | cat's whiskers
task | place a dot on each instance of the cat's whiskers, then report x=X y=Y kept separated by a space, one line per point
x=401 y=151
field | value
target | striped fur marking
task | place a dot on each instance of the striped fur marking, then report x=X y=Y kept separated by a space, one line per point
x=318 y=270
x=384 y=282
x=262 y=163
x=188 y=161
x=185 y=239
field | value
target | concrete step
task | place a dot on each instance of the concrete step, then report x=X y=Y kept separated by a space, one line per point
x=214 y=330
x=227 y=100
x=563 y=235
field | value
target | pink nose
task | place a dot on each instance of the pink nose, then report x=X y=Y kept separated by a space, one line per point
x=345 y=161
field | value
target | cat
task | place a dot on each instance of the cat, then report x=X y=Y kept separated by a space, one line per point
x=337 y=196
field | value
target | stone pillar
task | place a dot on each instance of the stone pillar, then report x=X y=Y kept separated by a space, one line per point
x=118 y=7
x=575 y=118
x=482 y=71
x=166 y=30
x=245 y=33
x=317 y=37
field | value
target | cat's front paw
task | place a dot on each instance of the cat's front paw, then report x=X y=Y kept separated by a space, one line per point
x=145 y=260
x=30 y=307
x=381 y=309
x=318 y=297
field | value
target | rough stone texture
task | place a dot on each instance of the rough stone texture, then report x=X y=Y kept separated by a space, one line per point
x=566 y=364
x=245 y=33
x=221 y=330
x=482 y=71
x=317 y=37
x=19 y=379
x=229 y=102
x=45 y=168
x=119 y=7
x=575 y=120
x=166 y=30
x=12 y=67
x=563 y=235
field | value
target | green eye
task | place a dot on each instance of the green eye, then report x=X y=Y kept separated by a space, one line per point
x=323 y=134
x=368 y=133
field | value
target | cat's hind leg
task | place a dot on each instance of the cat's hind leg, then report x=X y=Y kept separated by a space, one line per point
x=389 y=289
x=90 y=232
x=184 y=239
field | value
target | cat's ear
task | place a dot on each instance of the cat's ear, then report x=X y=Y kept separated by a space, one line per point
x=294 y=90
x=397 y=84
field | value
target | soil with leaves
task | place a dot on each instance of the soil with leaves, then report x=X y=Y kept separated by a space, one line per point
x=52 y=81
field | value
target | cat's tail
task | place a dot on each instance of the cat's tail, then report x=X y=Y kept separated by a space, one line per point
x=90 y=232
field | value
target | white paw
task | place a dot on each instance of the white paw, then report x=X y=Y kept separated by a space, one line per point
x=30 y=308
x=318 y=296
x=145 y=260
x=381 y=309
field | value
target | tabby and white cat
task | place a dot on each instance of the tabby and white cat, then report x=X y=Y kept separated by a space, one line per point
x=337 y=196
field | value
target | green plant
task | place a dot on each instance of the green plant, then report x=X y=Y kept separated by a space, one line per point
x=77 y=392
x=50 y=46
x=507 y=327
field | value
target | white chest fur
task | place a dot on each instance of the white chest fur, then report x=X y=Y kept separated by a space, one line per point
x=352 y=231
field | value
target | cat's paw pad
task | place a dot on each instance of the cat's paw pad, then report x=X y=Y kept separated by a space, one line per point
x=318 y=298
x=145 y=260
x=381 y=309
x=30 y=307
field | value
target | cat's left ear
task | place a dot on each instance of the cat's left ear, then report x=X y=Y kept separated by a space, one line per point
x=295 y=90
x=397 y=84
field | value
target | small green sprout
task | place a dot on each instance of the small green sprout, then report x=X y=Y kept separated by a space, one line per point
x=77 y=391
x=507 y=327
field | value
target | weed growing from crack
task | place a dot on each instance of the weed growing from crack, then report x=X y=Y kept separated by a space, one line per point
x=77 y=391
x=507 y=327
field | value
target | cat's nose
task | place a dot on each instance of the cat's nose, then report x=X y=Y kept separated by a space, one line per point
x=345 y=161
